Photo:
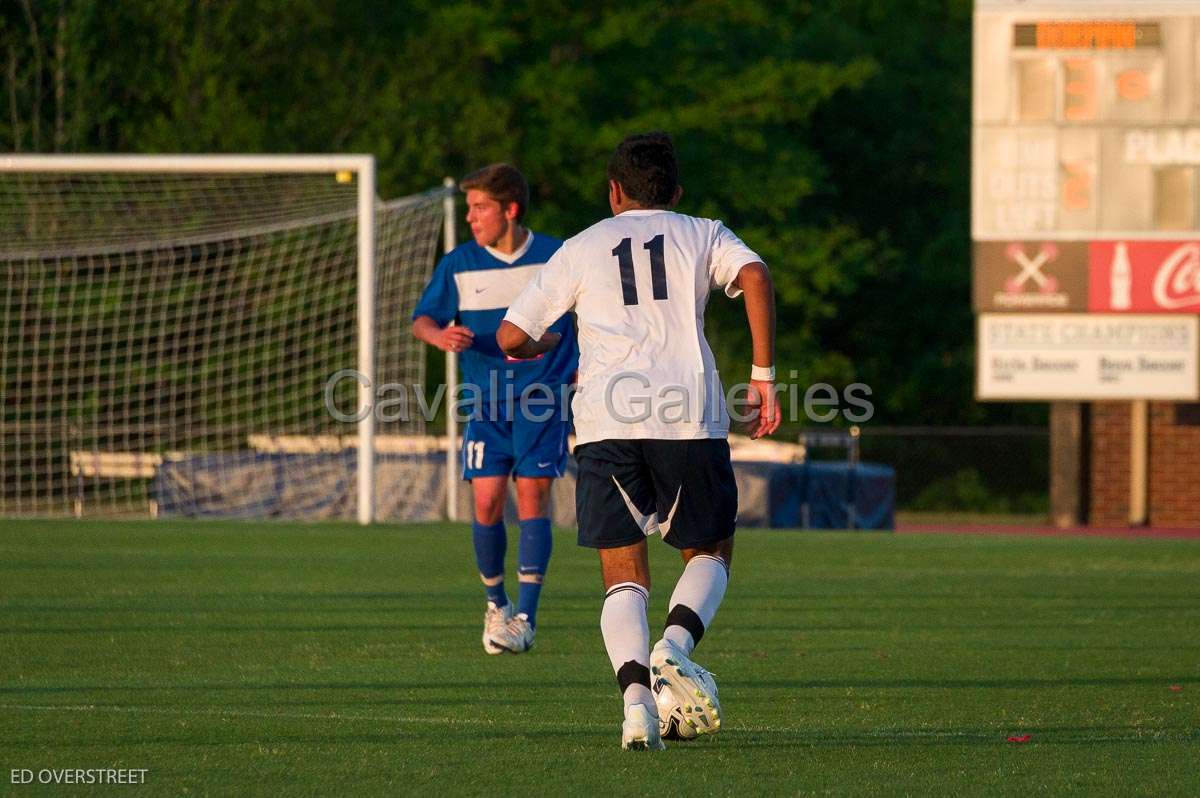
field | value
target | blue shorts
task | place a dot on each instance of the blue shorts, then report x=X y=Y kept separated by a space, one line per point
x=519 y=447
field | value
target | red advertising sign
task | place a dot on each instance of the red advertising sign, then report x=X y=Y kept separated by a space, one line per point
x=1144 y=276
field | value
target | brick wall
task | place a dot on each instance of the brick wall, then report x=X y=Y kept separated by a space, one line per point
x=1174 y=496
x=1174 y=467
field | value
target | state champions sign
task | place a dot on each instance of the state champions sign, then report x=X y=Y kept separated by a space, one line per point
x=1086 y=356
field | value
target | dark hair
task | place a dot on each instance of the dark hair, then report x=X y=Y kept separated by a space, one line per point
x=502 y=182
x=645 y=166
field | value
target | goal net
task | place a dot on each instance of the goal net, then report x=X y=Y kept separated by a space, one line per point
x=170 y=334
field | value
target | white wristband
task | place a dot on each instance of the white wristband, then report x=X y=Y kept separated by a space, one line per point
x=762 y=373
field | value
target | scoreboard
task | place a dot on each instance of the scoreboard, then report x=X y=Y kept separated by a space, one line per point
x=1086 y=183
x=1086 y=120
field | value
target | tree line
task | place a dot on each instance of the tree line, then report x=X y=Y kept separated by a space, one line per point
x=832 y=136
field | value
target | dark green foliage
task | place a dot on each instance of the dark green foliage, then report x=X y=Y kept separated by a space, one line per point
x=965 y=491
x=932 y=471
x=832 y=136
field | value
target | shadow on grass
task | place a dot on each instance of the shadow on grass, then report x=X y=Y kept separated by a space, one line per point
x=536 y=684
x=184 y=627
x=958 y=684
x=951 y=736
x=446 y=684
x=730 y=741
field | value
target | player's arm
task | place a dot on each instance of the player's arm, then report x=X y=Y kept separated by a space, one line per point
x=551 y=293
x=451 y=338
x=754 y=281
x=515 y=342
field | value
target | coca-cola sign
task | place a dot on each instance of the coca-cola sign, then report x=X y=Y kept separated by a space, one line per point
x=1141 y=276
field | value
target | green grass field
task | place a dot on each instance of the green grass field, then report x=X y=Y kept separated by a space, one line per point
x=319 y=659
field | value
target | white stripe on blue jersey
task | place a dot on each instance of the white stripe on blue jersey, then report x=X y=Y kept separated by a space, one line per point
x=492 y=289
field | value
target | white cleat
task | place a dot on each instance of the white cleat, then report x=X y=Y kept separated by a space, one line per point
x=639 y=732
x=516 y=636
x=693 y=688
x=494 y=622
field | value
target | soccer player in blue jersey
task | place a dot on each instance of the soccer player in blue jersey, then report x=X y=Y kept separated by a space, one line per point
x=505 y=435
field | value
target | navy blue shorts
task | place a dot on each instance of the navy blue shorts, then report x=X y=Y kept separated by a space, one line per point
x=519 y=446
x=629 y=489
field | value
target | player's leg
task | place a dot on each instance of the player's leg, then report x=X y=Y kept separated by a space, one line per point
x=489 y=535
x=623 y=620
x=697 y=491
x=533 y=556
x=486 y=462
x=698 y=593
x=615 y=507
x=626 y=631
x=537 y=541
x=540 y=455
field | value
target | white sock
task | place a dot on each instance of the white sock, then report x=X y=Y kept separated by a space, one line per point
x=694 y=602
x=627 y=639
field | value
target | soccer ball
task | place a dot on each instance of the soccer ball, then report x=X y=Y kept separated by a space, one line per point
x=671 y=723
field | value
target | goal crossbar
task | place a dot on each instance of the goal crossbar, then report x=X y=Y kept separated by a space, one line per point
x=188 y=163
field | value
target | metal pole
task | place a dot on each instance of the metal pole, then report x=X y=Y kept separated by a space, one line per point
x=450 y=236
x=366 y=341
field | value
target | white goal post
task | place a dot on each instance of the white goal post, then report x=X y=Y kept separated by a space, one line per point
x=296 y=217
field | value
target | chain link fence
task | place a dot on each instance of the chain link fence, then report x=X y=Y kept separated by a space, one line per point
x=990 y=472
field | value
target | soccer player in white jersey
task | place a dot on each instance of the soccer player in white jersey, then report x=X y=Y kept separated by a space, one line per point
x=650 y=416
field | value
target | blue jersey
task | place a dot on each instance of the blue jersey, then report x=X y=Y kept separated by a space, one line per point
x=473 y=286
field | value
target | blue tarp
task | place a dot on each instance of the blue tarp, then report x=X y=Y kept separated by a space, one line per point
x=254 y=485
x=303 y=486
x=817 y=495
x=874 y=496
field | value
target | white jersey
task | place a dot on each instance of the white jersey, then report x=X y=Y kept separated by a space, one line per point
x=638 y=283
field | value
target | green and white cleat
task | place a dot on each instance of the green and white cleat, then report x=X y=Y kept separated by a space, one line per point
x=693 y=689
x=516 y=637
x=639 y=732
x=494 y=622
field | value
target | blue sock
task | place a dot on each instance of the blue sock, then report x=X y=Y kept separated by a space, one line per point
x=490 y=545
x=532 y=558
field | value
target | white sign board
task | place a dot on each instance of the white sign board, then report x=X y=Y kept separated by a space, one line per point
x=1070 y=356
x=1086 y=123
